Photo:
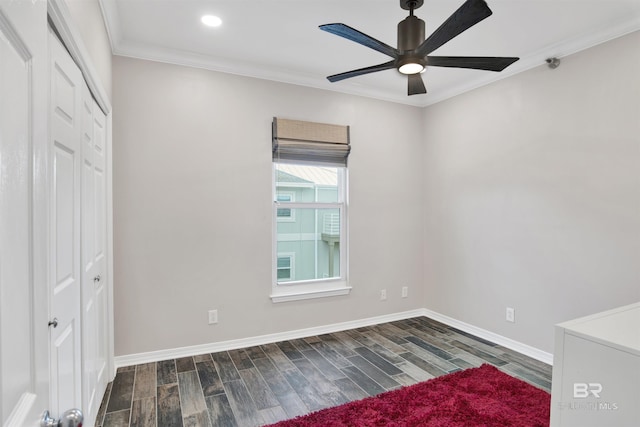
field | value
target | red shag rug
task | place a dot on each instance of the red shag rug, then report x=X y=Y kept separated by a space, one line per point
x=475 y=397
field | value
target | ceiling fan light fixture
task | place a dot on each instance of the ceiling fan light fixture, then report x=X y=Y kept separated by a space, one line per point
x=412 y=55
x=411 y=68
x=411 y=64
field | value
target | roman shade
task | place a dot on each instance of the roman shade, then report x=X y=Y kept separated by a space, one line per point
x=309 y=142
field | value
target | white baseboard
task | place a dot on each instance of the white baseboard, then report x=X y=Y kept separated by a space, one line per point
x=155 y=356
x=173 y=353
x=525 y=349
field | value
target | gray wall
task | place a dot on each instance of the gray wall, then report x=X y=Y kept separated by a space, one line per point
x=524 y=193
x=192 y=205
x=532 y=195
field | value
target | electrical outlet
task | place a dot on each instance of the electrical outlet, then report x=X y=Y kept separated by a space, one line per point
x=213 y=316
x=511 y=315
x=405 y=291
x=383 y=294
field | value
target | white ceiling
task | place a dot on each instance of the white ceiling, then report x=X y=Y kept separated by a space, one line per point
x=280 y=40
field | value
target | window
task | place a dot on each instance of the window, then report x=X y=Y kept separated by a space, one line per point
x=310 y=224
x=310 y=210
x=285 y=214
x=285 y=265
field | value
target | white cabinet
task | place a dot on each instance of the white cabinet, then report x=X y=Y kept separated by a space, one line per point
x=596 y=370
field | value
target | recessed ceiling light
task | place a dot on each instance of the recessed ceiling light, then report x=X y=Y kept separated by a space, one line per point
x=211 y=20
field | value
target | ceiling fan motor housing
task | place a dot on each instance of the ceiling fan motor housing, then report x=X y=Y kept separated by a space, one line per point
x=410 y=33
x=410 y=36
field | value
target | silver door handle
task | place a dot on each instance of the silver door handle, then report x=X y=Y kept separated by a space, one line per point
x=53 y=322
x=70 y=418
x=97 y=278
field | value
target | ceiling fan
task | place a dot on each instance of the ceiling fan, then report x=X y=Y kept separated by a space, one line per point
x=412 y=55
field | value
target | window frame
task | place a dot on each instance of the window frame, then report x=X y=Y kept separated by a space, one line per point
x=315 y=288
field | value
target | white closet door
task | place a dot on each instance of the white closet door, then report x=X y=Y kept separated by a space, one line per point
x=66 y=145
x=100 y=250
x=94 y=322
x=89 y=273
x=44 y=263
x=24 y=341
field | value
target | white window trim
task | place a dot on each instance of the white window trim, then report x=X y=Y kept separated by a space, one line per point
x=319 y=288
x=286 y=295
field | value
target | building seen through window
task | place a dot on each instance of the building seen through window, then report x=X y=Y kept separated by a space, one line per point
x=309 y=222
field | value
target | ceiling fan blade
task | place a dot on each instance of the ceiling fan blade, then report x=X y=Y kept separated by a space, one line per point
x=467 y=15
x=489 y=63
x=361 y=71
x=416 y=85
x=352 y=34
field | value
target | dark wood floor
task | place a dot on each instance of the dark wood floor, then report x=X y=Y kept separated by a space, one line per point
x=268 y=383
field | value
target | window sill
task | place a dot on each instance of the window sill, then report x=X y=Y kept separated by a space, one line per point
x=286 y=295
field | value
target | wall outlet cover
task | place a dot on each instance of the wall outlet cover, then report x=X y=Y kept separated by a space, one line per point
x=213 y=316
x=511 y=315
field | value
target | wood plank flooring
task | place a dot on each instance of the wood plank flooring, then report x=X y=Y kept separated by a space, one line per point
x=264 y=384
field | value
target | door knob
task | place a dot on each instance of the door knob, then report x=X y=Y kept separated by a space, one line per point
x=47 y=421
x=70 y=418
x=53 y=322
x=97 y=278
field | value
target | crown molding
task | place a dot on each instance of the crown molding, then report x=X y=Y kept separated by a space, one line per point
x=538 y=58
x=111 y=17
x=121 y=46
x=252 y=70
